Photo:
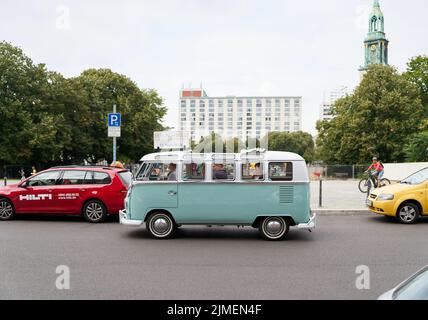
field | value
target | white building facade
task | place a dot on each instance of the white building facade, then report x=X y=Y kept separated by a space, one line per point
x=333 y=96
x=237 y=117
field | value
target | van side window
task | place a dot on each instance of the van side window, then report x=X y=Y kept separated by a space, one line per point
x=281 y=171
x=223 y=168
x=252 y=170
x=160 y=171
x=193 y=171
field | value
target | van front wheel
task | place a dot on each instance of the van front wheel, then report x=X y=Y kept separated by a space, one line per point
x=274 y=228
x=161 y=226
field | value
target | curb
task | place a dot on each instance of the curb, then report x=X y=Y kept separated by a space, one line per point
x=342 y=212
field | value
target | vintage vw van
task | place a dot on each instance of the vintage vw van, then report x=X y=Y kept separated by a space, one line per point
x=261 y=189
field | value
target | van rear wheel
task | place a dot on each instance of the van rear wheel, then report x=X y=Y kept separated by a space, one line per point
x=274 y=228
x=161 y=226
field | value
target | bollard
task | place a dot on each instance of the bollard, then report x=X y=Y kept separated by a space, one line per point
x=5 y=181
x=320 y=203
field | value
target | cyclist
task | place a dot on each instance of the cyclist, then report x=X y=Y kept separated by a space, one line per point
x=377 y=169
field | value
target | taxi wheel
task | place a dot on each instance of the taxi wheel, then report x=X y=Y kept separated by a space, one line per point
x=161 y=226
x=94 y=211
x=408 y=213
x=274 y=228
x=7 y=212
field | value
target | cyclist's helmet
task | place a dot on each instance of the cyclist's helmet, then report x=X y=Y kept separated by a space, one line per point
x=374 y=159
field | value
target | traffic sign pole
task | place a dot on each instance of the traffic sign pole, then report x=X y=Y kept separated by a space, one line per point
x=114 y=141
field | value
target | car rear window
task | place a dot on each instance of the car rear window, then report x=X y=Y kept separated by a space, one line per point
x=101 y=178
x=126 y=177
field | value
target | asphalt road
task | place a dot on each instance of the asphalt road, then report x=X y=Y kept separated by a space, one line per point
x=110 y=261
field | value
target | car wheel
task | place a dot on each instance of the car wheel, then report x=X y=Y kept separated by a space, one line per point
x=161 y=226
x=408 y=213
x=274 y=228
x=7 y=212
x=95 y=211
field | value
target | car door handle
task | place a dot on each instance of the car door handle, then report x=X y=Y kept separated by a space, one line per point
x=172 y=193
x=83 y=190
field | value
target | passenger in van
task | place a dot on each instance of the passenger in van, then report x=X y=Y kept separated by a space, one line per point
x=258 y=173
x=172 y=176
x=219 y=172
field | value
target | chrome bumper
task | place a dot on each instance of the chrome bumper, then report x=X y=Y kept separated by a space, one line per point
x=126 y=221
x=309 y=225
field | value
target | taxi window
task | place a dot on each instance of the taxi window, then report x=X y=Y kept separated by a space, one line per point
x=74 y=177
x=281 y=171
x=101 y=178
x=49 y=178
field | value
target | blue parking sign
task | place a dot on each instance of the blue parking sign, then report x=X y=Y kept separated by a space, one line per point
x=114 y=120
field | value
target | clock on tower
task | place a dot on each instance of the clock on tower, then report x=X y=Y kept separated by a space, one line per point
x=376 y=44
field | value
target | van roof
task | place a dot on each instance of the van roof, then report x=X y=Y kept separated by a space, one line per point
x=266 y=155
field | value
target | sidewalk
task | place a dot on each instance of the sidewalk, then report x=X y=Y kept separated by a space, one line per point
x=338 y=195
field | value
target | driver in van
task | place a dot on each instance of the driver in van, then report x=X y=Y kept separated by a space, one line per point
x=172 y=176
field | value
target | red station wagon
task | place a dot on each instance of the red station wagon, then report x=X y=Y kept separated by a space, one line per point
x=93 y=192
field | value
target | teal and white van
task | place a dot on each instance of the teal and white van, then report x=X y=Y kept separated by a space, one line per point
x=261 y=189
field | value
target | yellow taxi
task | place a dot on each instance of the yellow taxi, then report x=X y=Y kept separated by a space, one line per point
x=407 y=200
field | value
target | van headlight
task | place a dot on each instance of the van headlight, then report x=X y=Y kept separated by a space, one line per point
x=386 y=197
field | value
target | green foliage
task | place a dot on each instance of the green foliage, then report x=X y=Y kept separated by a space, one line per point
x=416 y=148
x=48 y=119
x=376 y=120
x=299 y=142
x=417 y=73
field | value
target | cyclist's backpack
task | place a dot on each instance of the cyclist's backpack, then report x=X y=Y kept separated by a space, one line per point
x=381 y=165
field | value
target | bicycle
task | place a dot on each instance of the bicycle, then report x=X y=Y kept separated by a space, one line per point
x=366 y=184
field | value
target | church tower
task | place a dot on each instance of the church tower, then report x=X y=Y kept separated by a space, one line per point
x=376 y=44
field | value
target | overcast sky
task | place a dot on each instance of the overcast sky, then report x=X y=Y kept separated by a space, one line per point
x=234 y=47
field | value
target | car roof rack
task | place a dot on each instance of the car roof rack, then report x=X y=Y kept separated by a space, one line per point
x=84 y=166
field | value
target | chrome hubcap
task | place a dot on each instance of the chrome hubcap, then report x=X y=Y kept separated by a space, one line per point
x=94 y=211
x=161 y=225
x=407 y=213
x=274 y=227
x=6 y=210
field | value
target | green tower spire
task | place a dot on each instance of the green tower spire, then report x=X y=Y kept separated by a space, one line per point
x=376 y=44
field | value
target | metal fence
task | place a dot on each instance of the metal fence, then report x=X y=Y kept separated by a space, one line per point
x=337 y=171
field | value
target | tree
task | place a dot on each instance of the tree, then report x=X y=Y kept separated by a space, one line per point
x=29 y=127
x=376 y=120
x=417 y=73
x=142 y=111
x=299 y=142
x=48 y=119
x=416 y=148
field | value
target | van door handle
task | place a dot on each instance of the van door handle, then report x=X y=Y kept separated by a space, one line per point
x=172 y=193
